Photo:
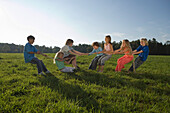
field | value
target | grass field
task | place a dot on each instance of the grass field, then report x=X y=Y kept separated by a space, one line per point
x=22 y=90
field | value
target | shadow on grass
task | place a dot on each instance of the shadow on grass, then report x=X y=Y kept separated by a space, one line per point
x=71 y=91
x=102 y=79
x=108 y=80
x=157 y=78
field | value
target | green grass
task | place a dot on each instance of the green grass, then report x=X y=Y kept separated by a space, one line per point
x=22 y=90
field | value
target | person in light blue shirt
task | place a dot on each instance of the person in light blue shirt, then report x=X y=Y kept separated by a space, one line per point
x=96 y=49
x=143 y=51
x=29 y=51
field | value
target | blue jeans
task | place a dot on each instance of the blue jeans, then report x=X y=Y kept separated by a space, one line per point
x=93 y=64
x=138 y=62
x=40 y=65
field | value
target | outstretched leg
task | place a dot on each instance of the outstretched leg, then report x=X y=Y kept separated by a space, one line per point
x=93 y=64
x=39 y=64
x=137 y=63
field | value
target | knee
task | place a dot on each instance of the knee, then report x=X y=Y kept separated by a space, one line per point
x=39 y=62
x=99 y=62
x=74 y=57
x=118 y=61
x=102 y=62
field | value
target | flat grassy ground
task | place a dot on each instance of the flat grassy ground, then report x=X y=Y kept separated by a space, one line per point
x=22 y=90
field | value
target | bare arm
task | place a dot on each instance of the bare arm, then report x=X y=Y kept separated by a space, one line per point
x=32 y=52
x=118 y=51
x=38 y=52
x=101 y=52
x=60 y=59
x=74 y=53
x=137 y=52
x=134 y=51
x=68 y=62
x=85 y=53
x=79 y=53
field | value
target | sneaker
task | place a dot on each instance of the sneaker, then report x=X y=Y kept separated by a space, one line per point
x=41 y=73
x=77 y=67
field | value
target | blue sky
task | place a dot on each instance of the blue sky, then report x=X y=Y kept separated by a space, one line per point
x=85 y=21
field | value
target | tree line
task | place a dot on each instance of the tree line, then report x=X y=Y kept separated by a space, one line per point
x=155 y=47
x=12 y=48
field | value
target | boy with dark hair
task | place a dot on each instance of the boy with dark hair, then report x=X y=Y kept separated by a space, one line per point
x=29 y=51
x=96 y=49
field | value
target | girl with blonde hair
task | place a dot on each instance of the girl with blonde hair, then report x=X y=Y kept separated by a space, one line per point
x=124 y=49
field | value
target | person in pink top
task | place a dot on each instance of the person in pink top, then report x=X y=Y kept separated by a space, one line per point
x=124 y=49
x=108 y=49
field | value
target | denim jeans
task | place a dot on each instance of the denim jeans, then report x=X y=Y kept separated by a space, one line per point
x=103 y=59
x=138 y=62
x=94 y=62
x=40 y=65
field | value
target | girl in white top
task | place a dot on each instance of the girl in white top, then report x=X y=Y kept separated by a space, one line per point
x=108 y=49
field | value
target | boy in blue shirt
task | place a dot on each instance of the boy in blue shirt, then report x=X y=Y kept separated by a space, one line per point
x=143 y=51
x=96 y=49
x=29 y=51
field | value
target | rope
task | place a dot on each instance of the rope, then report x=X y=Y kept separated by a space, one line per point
x=134 y=64
x=46 y=56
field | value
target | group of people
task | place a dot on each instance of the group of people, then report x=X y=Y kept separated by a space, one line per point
x=68 y=55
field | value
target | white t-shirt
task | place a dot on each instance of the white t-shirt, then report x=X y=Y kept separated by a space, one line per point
x=65 y=49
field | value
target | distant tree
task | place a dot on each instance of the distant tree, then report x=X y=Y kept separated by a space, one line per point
x=56 y=49
x=167 y=43
x=155 y=47
x=6 y=48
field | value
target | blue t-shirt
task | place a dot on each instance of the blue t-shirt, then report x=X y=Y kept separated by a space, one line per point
x=29 y=48
x=145 y=52
x=96 y=50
